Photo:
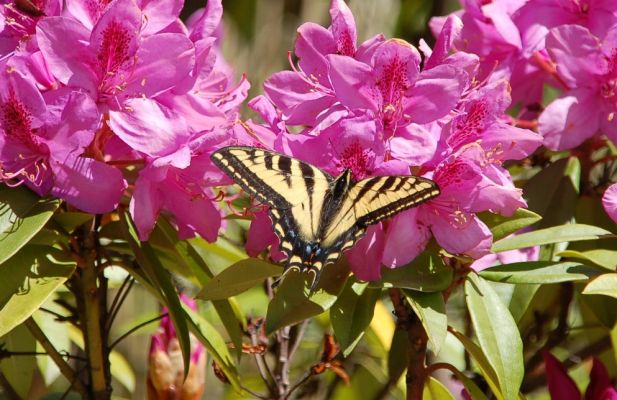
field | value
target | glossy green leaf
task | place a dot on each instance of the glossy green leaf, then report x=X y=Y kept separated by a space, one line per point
x=604 y=308
x=502 y=226
x=44 y=270
x=553 y=192
x=540 y=272
x=18 y=370
x=426 y=273
x=57 y=333
x=483 y=363
x=214 y=344
x=161 y=281
x=398 y=356
x=435 y=390
x=232 y=322
x=70 y=220
x=497 y=333
x=602 y=257
x=352 y=313
x=431 y=310
x=238 y=278
x=292 y=304
x=522 y=298
x=22 y=215
x=605 y=284
x=556 y=234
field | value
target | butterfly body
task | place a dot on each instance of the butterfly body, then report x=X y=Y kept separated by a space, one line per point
x=316 y=216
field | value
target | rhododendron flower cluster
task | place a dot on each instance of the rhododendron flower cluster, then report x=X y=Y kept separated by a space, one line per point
x=93 y=91
x=380 y=108
x=569 y=45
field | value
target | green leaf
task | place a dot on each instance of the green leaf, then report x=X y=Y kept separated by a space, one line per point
x=426 y=273
x=121 y=371
x=497 y=333
x=522 y=298
x=161 y=280
x=502 y=226
x=431 y=310
x=229 y=318
x=44 y=270
x=553 y=192
x=602 y=257
x=605 y=284
x=70 y=220
x=472 y=388
x=435 y=390
x=22 y=215
x=352 y=313
x=603 y=307
x=18 y=370
x=214 y=344
x=541 y=272
x=556 y=234
x=238 y=278
x=398 y=356
x=483 y=363
x=291 y=302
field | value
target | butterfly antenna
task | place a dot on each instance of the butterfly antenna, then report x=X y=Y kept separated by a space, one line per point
x=316 y=275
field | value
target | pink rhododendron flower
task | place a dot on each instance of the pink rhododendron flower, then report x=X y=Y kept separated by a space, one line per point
x=561 y=386
x=18 y=21
x=609 y=201
x=42 y=142
x=373 y=110
x=166 y=367
x=588 y=66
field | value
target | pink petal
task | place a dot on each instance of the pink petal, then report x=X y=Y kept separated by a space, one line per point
x=414 y=144
x=163 y=61
x=204 y=23
x=353 y=82
x=145 y=205
x=570 y=120
x=87 y=184
x=193 y=215
x=15 y=88
x=261 y=235
x=472 y=238
x=313 y=43
x=599 y=383
x=406 y=238
x=577 y=54
x=609 y=201
x=116 y=34
x=299 y=102
x=560 y=385
x=451 y=29
x=343 y=28
x=160 y=14
x=149 y=127
x=435 y=93
x=510 y=142
x=64 y=44
x=365 y=257
x=77 y=126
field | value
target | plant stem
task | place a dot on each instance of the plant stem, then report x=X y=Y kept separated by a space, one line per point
x=281 y=372
x=57 y=358
x=416 y=366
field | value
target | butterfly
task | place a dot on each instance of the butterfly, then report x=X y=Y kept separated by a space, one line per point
x=317 y=216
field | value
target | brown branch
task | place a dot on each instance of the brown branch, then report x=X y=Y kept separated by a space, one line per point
x=281 y=371
x=416 y=366
x=57 y=358
x=262 y=366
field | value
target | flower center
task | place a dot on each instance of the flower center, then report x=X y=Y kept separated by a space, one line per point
x=468 y=128
x=356 y=159
x=113 y=55
x=392 y=84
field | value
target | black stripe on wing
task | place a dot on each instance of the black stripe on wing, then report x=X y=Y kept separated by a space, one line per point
x=240 y=171
x=399 y=193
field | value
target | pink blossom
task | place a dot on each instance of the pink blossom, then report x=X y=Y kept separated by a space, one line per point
x=42 y=142
x=609 y=201
x=588 y=66
x=165 y=365
x=561 y=386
